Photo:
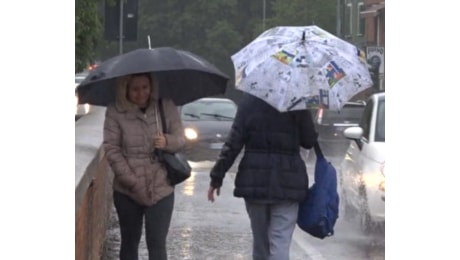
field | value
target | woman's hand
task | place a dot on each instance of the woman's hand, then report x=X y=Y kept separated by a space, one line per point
x=211 y=193
x=159 y=141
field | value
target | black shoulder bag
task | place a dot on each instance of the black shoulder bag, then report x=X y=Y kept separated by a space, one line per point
x=176 y=164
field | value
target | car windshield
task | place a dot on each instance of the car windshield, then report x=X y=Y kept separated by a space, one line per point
x=206 y=110
x=380 y=124
x=79 y=80
x=348 y=114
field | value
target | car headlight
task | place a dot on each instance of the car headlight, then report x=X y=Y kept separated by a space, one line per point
x=382 y=186
x=86 y=106
x=76 y=104
x=190 y=133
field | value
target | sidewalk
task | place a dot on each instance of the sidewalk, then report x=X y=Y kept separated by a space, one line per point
x=203 y=230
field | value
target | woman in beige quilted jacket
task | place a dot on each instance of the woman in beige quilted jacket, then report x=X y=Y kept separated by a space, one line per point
x=132 y=131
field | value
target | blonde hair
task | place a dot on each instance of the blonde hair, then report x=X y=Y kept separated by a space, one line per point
x=122 y=100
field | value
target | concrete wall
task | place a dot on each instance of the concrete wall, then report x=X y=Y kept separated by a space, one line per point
x=93 y=187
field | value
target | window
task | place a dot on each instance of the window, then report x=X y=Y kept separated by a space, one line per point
x=360 y=20
x=350 y=114
x=380 y=123
x=365 y=123
x=348 y=20
x=208 y=110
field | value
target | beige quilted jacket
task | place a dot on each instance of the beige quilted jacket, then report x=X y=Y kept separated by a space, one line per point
x=128 y=144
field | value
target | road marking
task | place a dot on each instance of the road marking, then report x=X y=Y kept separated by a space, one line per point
x=310 y=250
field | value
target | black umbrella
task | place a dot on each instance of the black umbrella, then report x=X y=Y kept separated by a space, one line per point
x=182 y=76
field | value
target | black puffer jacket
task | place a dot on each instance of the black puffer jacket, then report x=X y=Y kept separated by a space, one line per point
x=271 y=168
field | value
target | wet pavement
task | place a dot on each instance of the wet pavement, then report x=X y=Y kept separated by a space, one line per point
x=201 y=229
x=205 y=231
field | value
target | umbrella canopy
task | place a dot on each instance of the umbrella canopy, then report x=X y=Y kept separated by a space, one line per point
x=182 y=76
x=291 y=67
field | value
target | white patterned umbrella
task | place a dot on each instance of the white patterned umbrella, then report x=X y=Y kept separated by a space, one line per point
x=292 y=67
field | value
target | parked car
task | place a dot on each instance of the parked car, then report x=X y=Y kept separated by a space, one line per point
x=362 y=172
x=80 y=109
x=207 y=122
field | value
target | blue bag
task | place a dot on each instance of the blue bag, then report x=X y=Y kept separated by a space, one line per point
x=320 y=210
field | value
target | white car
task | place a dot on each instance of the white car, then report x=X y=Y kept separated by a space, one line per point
x=80 y=110
x=362 y=173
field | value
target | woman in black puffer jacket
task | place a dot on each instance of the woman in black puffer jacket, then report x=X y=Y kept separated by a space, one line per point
x=271 y=177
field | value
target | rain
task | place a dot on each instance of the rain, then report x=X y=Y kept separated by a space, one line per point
x=212 y=33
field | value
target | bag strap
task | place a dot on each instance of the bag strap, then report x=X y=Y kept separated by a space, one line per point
x=162 y=114
x=319 y=153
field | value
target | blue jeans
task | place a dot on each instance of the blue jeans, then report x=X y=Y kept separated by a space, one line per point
x=272 y=228
x=157 y=220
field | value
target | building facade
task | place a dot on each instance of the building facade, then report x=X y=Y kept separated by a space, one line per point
x=362 y=23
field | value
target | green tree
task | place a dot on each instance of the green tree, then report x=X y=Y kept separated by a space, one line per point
x=213 y=29
x=216 y=30
x=305 y=12
x=88 y=30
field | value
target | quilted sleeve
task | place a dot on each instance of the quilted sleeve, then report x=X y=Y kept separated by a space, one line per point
x=175 y=139
x=232 y=147
x=112 y=146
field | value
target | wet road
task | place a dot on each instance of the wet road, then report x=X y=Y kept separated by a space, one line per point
x=220 y=230
x=201 y=229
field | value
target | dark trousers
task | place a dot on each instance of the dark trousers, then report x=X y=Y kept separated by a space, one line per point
x=157 y=220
